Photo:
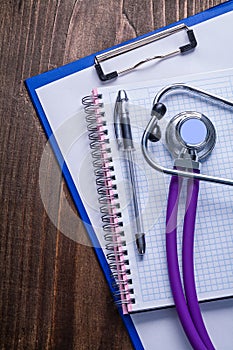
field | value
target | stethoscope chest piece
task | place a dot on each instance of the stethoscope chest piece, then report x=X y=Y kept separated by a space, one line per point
x=190 y=131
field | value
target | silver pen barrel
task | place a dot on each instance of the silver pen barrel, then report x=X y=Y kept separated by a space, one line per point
x=140 y=236
x=124 y=139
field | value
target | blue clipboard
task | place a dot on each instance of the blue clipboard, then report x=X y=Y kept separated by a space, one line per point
x=36 y=82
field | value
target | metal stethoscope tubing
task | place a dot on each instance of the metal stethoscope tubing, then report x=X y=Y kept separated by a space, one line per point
x=153 y=122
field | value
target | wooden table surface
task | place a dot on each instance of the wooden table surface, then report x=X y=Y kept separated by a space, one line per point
x=53 y=294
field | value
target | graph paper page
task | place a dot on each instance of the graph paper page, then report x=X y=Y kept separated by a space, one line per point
x=213 y=232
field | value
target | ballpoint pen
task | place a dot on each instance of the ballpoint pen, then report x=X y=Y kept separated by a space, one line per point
x=124 y=139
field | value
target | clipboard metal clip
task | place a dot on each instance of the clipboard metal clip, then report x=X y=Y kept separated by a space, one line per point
x=144 y=41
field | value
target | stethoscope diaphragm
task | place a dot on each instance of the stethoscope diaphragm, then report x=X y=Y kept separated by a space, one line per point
x=190 y=131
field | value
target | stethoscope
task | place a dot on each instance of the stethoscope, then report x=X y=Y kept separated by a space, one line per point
x=190 y=137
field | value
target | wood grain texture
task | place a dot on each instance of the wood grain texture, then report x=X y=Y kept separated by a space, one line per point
x=52 y=292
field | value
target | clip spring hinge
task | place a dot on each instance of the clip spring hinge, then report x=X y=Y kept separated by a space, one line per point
x=144 y=41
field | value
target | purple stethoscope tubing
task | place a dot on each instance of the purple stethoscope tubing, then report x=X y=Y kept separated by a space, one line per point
x=186 y=304
x=185 y=154
x=188 y=261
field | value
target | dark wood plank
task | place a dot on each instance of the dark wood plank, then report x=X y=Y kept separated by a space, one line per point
x=52 y=292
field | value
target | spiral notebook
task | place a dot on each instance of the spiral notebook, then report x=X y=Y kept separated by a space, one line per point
x=143 y=281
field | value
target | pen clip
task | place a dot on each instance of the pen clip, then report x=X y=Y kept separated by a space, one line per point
x=117 y=127
x=118 y=120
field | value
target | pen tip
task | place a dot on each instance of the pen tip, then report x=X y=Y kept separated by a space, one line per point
x=141 y=251
x=141 y=243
